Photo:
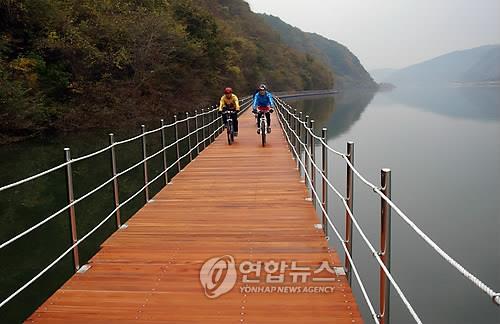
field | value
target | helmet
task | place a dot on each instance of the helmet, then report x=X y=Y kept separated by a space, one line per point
x=262 y=87
x=228 y=90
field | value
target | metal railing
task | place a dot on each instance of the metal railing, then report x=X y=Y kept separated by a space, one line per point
x=210 y=128
x=301 y=138
x=306 y=93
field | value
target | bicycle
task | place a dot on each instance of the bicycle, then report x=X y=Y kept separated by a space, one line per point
x=263 y=126
x=229 y=126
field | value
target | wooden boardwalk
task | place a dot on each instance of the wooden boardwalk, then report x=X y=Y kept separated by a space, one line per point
x=243 y=200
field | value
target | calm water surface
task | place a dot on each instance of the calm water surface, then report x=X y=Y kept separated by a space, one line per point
x=443 y=147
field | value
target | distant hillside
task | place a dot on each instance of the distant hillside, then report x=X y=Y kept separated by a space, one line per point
x=257 y=52
x=479 y=64
x=486 y=69
x=380 y=75
x=347 y=68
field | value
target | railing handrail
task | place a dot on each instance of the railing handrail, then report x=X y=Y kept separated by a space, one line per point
x=304 y=93
x=139 y=163
x=495 y=296
x=104 y=149
x=351 y=215
x=90 y=155
x=342 y=241
x=216 y=120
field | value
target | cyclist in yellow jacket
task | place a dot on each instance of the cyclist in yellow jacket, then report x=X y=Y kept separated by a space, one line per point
x=229 y=102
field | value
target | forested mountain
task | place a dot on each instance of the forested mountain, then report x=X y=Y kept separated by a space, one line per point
x=480 y=64
x=67 y=64
x=347 y=68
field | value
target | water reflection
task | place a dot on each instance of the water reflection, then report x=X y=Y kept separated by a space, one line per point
x=443 y=149
x=480 y=103
x=336 y=112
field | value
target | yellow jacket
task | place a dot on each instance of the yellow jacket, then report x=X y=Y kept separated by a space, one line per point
x=231 y=102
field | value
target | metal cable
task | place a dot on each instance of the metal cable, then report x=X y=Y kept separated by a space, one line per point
x=354 y=268
x=351 y=215
x=81 y=158
x=33 y=177
x=5 y=301
x=15 y=238
x=310 y=131
x=76 y=201
x=495 y=296
x=97 y=152
x=165 y=126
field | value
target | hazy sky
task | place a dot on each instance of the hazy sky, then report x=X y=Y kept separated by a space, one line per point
x=393 y=33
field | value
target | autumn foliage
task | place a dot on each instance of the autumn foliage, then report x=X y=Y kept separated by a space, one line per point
x=67 y=64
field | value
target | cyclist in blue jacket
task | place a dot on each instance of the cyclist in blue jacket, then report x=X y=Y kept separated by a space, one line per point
x=263 y=104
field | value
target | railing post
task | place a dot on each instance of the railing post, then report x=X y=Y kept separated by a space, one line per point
x=71 y=199
x=163 y=145
x=385 y=246
x=209 y=127
x=284 y=119
x=288 y=118
x=216 y=124
x=297 y=138
x=213 y=125
x=294 y=128
x=178 y=155
x=145 y=164
x=214 y=114
x=207 y=138
x=306 y=149
x=203 y=132
x=290 y=132
x=313 y=161
x=324 y=165
x=349 y=199
x=116 y=193
x=220 y=124
x=197 y=131
x=189 y=137
x=299 y=134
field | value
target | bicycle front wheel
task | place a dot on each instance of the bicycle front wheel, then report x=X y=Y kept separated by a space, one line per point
x=263 y=132
x=230 y=134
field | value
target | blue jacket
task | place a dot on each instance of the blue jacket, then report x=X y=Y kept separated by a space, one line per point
x=263 y=100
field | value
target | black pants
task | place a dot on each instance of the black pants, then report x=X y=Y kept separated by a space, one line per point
x=268 y=118
x=234 y=116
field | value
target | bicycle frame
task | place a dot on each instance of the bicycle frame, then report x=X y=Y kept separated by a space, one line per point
x=263 y=123
x=229 y=126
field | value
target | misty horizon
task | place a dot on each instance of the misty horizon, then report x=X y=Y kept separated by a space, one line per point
x=394 y=34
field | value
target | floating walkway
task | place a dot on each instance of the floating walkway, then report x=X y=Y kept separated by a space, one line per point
x=243 y=203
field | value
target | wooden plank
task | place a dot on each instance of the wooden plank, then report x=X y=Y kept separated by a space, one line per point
x=242 y=200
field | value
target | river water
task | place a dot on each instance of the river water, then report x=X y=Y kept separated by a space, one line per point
x=25 y=205
x=443 y=148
